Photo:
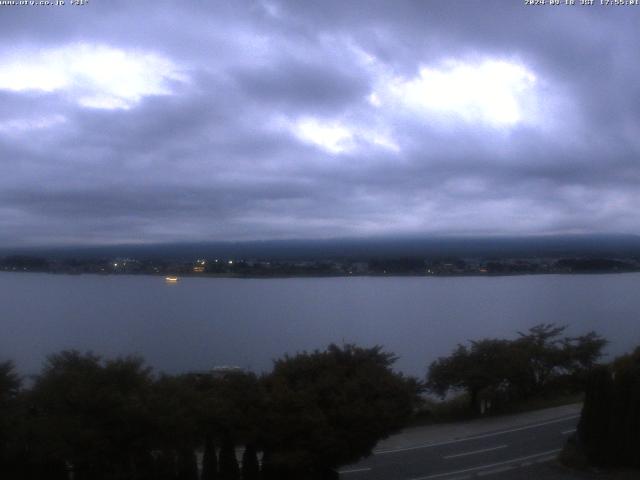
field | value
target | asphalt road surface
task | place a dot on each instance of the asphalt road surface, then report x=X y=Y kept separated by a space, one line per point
x=511 y=452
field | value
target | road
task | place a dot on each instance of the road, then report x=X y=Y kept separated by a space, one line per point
x=483 y=453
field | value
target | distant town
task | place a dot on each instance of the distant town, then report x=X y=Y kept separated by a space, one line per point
x=239 y=267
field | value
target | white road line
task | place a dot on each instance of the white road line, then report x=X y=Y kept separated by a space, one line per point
x=354 y=470
x=544 y=459
x=493 y=471
x=474 y=452
x=491 y=465
x=474 y=437
x=567 y=432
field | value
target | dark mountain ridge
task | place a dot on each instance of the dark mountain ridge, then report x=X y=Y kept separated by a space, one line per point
x=627 y=246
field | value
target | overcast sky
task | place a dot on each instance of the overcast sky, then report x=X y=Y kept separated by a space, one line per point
x=136 y=121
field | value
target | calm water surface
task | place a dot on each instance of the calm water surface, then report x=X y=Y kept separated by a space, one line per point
x=203 y=322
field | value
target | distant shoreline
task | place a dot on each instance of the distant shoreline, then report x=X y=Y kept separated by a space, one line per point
x=328 y=275
x=313 y=267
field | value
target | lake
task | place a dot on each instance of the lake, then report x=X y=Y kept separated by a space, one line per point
x=199 y=323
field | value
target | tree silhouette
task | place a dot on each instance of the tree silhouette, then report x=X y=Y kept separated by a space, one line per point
x=209 y=460
x=507 y=370
x=112 y=419
x=92 y=414
x=329 y=408
x=609 y=428
x=229 y=469
x=250 y=466
x=9 y=451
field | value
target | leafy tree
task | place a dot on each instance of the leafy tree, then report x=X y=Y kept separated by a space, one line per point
x=609 y=428
x=583 y=352
x=9 y=388
x=594 y=428
x=165 y=465
x=209 y=460
x=509 y=370
x=250 y=465
x=9 y=383
x=229 y=469
x=487 y=366
x=187 y=464
x=233 y=407
x=581 y=355
x=93 y=414
x=230 y=412
x=175 y=407
x=541 y=346
x=329 y=408
x=625 y=416
x=113 y=420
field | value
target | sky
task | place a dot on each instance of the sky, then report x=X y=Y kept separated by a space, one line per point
x=171 y=121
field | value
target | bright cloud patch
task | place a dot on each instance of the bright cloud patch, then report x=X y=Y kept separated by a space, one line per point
x=333 y=137
x=336 y=137
x=494 y=92
x=95 y=76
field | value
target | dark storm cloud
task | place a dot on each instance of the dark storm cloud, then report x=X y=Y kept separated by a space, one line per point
x=274 y=119
x=302 y=85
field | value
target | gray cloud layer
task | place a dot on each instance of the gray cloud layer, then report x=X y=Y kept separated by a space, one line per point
x=267 y=128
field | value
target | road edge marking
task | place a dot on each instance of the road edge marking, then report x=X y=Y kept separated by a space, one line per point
x=474 y=437
x=483 y=467
x=354 y=470
x=456 y=455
